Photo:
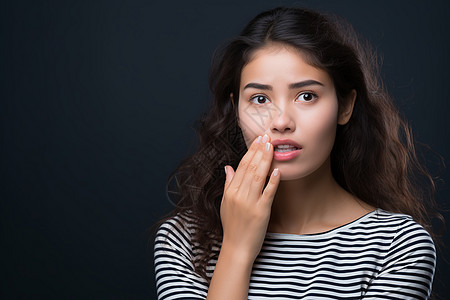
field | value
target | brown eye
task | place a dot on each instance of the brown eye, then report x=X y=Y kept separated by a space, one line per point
x=259 y=99
x=307 y=97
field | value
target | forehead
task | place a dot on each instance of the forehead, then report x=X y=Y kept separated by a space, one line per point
x=277 y=62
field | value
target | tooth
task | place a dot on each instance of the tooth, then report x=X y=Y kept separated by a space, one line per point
x=285 y=146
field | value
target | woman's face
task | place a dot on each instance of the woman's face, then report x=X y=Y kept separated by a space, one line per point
x=286 y=98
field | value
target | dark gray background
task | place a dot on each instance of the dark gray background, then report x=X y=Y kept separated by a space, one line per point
x=98 y=101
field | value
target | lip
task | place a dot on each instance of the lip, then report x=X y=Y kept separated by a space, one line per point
x=285 y=142
x=283 y=156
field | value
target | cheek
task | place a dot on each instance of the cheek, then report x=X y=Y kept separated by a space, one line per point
x=320 y=128
x=253 y=122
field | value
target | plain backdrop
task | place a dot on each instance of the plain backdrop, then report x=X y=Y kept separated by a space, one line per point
x=97 y=105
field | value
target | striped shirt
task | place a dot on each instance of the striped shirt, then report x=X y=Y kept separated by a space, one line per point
x=381 y=255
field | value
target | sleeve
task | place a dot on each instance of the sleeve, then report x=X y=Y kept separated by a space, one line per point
x=408 y=269
x=174 y=270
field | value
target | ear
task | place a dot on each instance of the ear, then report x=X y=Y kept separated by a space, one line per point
x=345 y=112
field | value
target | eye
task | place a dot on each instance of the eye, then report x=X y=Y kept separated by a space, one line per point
x=259 y=99
x=307 y=97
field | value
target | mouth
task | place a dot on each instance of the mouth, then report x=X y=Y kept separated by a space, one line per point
x=285 y=149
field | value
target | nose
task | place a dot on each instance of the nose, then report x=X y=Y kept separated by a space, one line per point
x=282 y=120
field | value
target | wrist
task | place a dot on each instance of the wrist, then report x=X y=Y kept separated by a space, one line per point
x=237 y=257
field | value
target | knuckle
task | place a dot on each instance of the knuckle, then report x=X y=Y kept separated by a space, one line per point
x=252 y=167
x=244 y=163
x=258 y=178
x=236 y=198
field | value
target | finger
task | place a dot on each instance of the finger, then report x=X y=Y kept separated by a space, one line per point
x=244 y=163
x=271 y=188
x=255 y=176
x=262 y=171
x=229 y=174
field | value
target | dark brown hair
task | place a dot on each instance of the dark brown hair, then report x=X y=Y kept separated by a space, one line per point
x=373 y=156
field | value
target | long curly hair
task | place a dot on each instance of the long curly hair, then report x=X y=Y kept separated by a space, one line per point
x=373 y=157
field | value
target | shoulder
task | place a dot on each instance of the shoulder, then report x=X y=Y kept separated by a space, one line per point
x=400 y=224
x=408 y=238
x=180 y=224
x=176 y=232
x=397 y=232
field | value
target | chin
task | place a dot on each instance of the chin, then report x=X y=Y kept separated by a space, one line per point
x=287 y=177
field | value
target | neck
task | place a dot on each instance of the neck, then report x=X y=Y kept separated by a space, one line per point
x=312 y=204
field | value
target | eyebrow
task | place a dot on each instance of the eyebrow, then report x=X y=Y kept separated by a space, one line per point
x=292 y=86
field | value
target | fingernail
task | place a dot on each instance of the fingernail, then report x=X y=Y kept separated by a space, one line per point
x=267 y=146
x=258 y=139
x=275 y=172
x=225 y=170
x=265 y=138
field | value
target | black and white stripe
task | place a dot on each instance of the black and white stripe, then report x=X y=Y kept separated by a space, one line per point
x=382 y=255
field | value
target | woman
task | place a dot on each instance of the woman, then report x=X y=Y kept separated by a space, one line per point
x=320 y=195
